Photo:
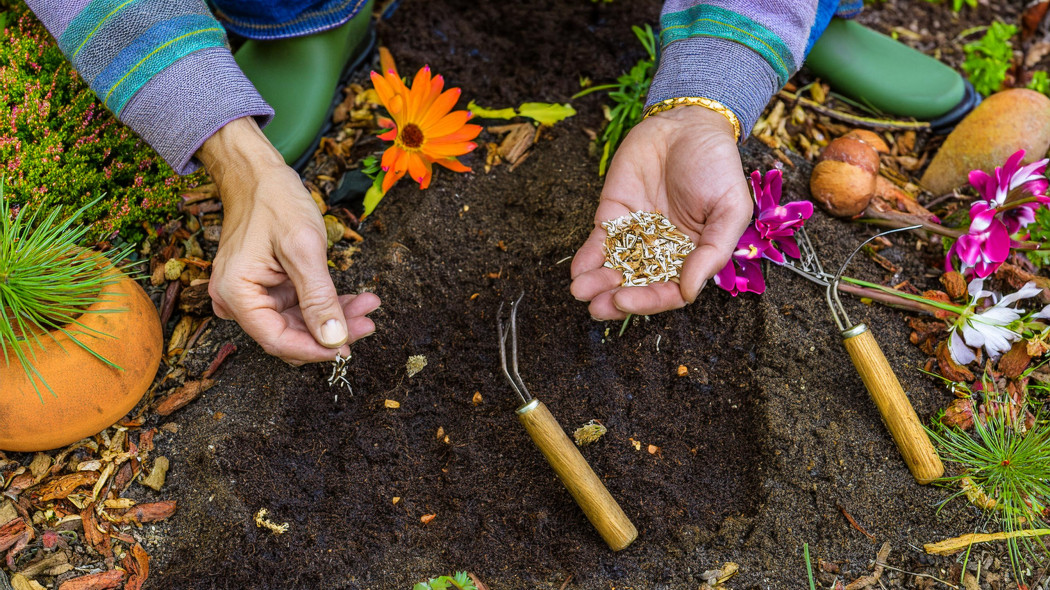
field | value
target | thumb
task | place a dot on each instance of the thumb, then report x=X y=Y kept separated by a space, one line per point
x=307 y=266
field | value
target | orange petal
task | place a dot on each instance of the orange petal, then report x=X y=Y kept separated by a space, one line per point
x=389 y=179
x=447 y=150
x=389 y=135
x=383 y=88
x=419 y=93
x=465 y=133
x=386 y=61
x=419 y=169
x=396 y=106
x=389 y=157
x=452 y=164
x=440 y=107
x=448 y=124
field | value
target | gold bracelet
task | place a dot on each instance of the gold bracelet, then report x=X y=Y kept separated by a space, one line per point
x=698 y=101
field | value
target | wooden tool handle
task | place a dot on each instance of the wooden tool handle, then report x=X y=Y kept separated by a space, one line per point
x=574 y=471
x=897 y=412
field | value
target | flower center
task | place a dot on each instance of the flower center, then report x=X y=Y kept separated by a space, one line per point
x=412 y=136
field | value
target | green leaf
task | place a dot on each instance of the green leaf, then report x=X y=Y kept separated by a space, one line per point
x=546 y=113
x=421 y=586
x=485 y=113
x=463 y=581
x=374 y=194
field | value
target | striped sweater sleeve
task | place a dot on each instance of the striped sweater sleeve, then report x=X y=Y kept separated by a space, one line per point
x=738 y=52
x=162 y=66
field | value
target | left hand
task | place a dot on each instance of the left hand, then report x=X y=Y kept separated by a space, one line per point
x=685 y=164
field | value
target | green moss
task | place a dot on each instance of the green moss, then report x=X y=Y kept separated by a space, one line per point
x=60 y=147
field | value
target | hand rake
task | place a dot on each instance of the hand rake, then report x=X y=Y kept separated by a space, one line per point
x=875 y=371
x=573 y=470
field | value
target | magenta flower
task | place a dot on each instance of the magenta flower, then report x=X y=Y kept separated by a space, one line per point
x=771 y=235
x=987 y=244
x=773 y=220
x=996 y=189
x=743 y=272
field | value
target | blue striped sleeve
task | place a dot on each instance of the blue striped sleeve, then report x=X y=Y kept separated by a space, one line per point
x=163 y=66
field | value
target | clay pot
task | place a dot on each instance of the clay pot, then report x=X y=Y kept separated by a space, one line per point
x=89 y=395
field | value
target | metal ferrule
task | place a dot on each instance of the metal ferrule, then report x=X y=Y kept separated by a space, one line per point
x=525 y=409
x=854 y=331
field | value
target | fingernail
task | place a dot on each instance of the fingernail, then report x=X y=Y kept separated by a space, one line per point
x=333 y=334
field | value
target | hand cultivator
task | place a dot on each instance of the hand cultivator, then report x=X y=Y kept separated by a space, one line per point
x=879 y=379
x=549 y=437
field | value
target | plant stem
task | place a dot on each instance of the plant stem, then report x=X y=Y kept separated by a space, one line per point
x=809 y=566
x=895 y=298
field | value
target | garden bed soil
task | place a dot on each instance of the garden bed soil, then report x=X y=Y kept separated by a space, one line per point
x=763 y=446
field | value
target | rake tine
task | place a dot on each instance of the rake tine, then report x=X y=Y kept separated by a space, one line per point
x=522 y=390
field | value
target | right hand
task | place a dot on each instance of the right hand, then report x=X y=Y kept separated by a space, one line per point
x=271 y=271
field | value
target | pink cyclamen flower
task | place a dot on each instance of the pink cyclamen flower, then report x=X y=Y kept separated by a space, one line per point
x=996 y=189
x=773 y=220
x=987 y=244
x=771 y=235
x=743 y=272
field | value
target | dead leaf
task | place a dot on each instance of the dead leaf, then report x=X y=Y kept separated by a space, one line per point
x=136 y=562
x=61 y=487
x=150 y=512
x=426 y=518
x=182 y=396
x=41 y=463
x=1015 y=361
x=11 y=532
x=52 y=565
x=20 y=582
x=949 y=368
x=195 y=300
x=959 y=413
x=220 y=357
x=156 y=476
x=100 y=581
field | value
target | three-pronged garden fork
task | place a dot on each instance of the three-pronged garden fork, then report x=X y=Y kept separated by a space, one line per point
x=875 y=371
x=572 y=469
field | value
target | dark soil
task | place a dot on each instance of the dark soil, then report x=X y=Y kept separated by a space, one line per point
x=763 y=446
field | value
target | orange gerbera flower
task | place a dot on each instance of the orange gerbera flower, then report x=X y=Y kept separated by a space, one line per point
x=425 y=130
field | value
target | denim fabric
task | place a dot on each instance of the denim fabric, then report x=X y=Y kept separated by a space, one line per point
x=277 y=19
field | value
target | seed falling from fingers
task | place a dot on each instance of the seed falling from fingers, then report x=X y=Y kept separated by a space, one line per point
x=646 y=247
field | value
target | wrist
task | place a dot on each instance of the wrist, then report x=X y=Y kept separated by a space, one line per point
x=697 y=108
x=239 y=154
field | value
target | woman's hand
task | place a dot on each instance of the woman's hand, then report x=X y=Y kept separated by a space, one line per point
x=271 y=270
x=685 y=164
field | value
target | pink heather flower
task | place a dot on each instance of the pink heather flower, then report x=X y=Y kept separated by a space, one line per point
x=771 y=235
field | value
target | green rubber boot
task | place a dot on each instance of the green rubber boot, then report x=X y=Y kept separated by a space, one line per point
x=299 y=76
x=890 y=76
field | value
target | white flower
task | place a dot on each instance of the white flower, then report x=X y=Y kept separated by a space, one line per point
x=988 y=329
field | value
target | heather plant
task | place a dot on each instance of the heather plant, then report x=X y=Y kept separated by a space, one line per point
x=60 y=147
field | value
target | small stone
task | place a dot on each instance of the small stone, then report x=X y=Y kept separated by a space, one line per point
x=396 y=499
x=476 y=400
x=653 y=449
x=683 y=370
x=391 y=404
x=426 y=518
x=1003 y=123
